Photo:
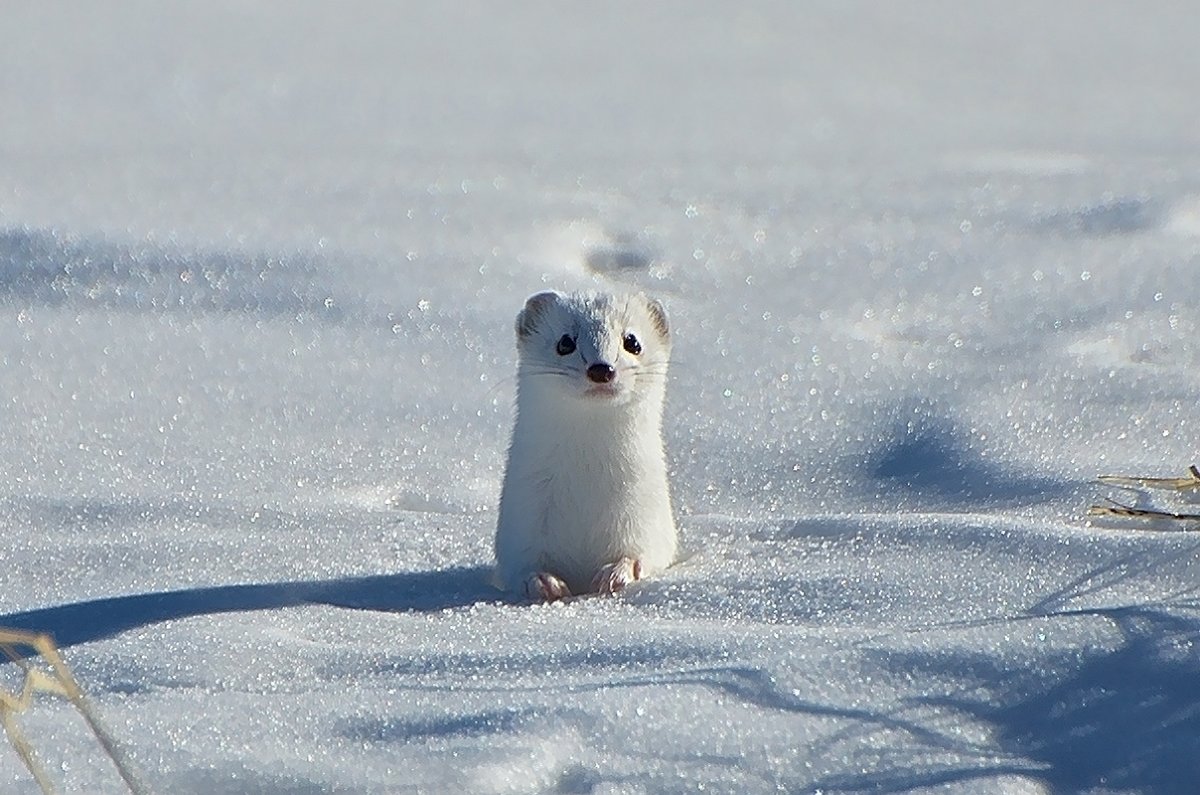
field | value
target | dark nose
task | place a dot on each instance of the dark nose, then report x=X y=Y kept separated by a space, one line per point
x=601 y=373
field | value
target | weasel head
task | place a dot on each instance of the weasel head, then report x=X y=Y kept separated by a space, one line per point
x=595 y=348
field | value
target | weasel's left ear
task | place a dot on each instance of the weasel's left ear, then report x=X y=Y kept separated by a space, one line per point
x=658 y=315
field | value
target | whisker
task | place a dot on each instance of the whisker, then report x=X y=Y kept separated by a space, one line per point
x=548 y=371
x=499 y=383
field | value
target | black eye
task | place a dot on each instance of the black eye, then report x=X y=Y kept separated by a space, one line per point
x=632 y=345
x=565 y=346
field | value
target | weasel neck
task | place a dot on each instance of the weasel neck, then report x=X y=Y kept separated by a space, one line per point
x=555 y=422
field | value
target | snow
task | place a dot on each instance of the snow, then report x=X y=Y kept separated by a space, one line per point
x=930 y=269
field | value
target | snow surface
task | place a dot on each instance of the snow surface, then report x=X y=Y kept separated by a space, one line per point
x=931 y=267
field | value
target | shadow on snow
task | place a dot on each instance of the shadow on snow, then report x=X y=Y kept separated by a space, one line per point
x=1122 y=719
x=925 y=452
x=427 y=591
x=48 y=267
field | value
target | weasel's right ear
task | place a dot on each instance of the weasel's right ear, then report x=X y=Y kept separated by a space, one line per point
x=535 y=306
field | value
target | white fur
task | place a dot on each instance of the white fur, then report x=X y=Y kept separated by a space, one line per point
x=585 y=502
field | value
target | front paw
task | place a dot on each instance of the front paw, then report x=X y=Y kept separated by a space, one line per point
x=613 y=577
x=543 y=586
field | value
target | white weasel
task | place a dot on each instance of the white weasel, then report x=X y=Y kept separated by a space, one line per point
x=585 y=505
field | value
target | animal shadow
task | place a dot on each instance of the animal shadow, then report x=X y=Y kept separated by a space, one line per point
x=96 y=619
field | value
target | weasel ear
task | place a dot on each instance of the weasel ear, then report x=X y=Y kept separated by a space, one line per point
x=658 y=315
x=535 y=306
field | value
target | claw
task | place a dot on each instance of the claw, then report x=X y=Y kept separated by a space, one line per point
x=613 y=577
x=543 y=586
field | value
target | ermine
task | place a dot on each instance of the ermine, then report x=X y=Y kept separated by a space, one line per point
x=585 y=505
